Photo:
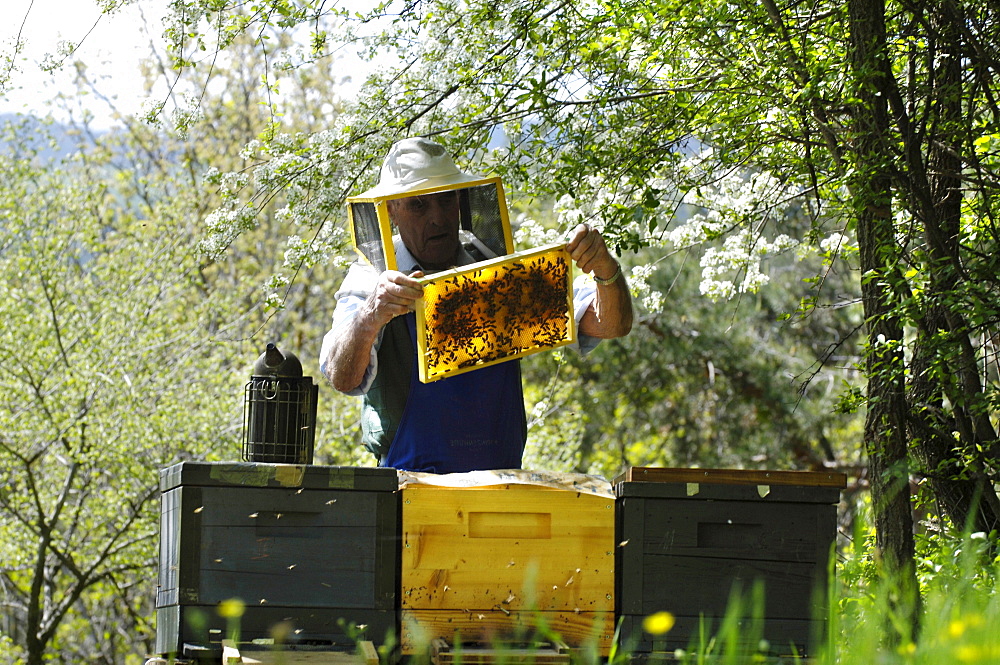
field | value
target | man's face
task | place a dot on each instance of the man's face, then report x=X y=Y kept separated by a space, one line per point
x=428 y=225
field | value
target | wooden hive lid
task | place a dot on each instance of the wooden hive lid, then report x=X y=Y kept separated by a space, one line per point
x=733 y=477
x=258 y=474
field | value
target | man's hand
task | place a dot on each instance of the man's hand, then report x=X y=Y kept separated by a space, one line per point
x=394 y=295
x=610 y=315
x=590 y=253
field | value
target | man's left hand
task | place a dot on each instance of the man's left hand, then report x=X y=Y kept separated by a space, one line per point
x=590 y=253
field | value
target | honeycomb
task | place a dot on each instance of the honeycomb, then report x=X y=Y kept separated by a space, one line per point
x=495 y=310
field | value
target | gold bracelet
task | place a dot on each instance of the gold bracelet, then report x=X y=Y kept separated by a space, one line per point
x=609 y=280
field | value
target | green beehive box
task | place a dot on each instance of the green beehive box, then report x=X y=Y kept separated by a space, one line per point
x=305 y=549
x=687 y=538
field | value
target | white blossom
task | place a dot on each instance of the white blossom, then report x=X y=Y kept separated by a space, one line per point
x=717 y=290
x=836 y=242
x=654 y=302
x=530 y=233
x=638 y=281
x=538 y=412
x=249 y=151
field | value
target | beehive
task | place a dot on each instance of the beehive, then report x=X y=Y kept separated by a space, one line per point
x=495 y=310
x=688 y=537
x=303 y=547
x=498 y=562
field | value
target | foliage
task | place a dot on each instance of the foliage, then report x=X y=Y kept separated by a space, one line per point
x=126 y=352
x=706 y=385
x=97 y=311
x=957 y=573
x=735 y=135
x=624 y=111
x=263 y=266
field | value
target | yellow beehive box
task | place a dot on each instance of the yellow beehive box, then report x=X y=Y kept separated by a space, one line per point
x=495 y=310
x=497 y=562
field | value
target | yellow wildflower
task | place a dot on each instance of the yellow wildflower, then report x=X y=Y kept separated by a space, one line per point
x=232 y=608
x=658 y=623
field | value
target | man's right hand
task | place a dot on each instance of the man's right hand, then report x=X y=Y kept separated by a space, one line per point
x=394 y=295
x=349 y=355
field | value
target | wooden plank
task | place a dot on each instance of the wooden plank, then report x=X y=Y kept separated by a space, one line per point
x=543 y=583
x=421 y=627
x=785 y=637
x=733 y=476
x=537 y=654
x=629 y=558
x=367 y=653
x=320 y=627
x=719 y=492
x=300 y=658
x=263 y=508
x=281 y=539
x=739 y=530
x=170 y=551
x=232 y=655
x=387 y=552
x=510 y=547
x=259 y=474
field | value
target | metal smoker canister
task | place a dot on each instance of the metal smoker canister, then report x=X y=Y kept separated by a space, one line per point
x=279 y=419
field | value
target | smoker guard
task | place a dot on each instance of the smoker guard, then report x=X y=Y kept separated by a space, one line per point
x=279 y=418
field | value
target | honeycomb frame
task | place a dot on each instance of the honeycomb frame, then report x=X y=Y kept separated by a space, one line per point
x=493 y=311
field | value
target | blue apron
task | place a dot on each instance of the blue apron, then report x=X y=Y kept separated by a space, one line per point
x=466 y=422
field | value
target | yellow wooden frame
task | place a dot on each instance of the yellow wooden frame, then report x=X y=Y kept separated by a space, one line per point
x=438 y=358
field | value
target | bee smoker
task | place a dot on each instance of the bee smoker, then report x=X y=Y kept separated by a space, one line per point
x=279 y=415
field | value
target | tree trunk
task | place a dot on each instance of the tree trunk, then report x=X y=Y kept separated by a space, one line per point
x=957 y=477
x=885 y=425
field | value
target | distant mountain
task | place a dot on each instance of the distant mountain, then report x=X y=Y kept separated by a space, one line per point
x=51 y=140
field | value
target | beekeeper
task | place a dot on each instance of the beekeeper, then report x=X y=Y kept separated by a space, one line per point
x=469 y=421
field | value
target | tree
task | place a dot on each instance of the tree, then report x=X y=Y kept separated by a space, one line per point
x=105 y=381
x=141 y=357
x=608 y=102
x=885 y=427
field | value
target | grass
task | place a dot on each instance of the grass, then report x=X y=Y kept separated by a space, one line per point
x=959 y=616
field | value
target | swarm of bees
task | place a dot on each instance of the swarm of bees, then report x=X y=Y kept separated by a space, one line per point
x=496 y=311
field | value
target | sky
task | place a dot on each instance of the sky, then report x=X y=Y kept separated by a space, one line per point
x=110 y=45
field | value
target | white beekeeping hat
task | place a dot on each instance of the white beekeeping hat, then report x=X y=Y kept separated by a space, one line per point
x=416 y=163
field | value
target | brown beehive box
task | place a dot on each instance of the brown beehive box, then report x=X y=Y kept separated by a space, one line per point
x=498 y=562
x=688 y=537
x=495 y=310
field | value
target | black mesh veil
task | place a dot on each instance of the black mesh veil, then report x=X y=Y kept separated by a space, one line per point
x=367 y=237
x=482 y=216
